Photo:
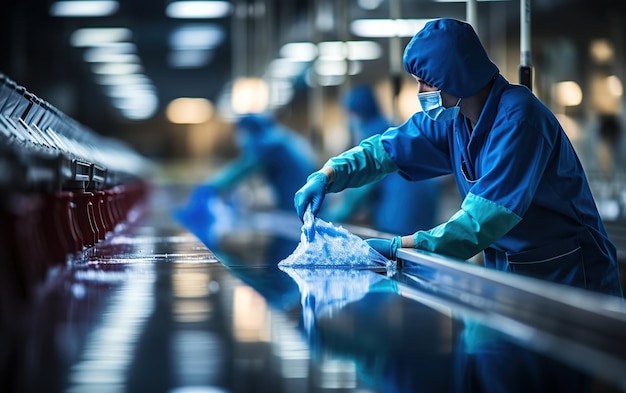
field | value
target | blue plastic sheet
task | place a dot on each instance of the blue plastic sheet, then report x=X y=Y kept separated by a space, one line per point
x=323 y=244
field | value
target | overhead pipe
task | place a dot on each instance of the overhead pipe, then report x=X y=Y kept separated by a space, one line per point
x=395 y=59
x=525 y=67
x=471 y=13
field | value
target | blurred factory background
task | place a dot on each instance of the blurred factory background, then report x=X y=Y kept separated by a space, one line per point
x=101 y=289
x=125 y=68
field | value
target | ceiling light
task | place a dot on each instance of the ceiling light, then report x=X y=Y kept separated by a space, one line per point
x=98 y=36
x=462 y=1
x=284 y=68
x=369 y=4
x=196 y=37
x=351 y=50
x=116 y=68
x=186 y=110
x=138 y=107
x=189 y=58
x=281 y=92
x=602 y=51
x=198 y=9
x=299 y=51
x=84 y=8
x=113 y=48
x=128 y=91
x=250 y=95
x=94 y=55
x=568 y=93
x=331 y=67
x=381 y=28
x=614 y=85
x=127 y=79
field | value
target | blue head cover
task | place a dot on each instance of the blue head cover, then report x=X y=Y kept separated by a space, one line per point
x=448 y=54
x=255 y=123
x=362 y=101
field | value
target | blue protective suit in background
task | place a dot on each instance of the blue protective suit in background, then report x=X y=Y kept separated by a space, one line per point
x=394 y=204
x=281 y=155
x=526 y=200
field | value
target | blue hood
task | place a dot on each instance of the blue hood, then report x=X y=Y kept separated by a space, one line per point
x=255 y=123
x=448 y=54
x=362 y=101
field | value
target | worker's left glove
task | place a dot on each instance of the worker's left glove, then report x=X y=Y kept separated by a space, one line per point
x=312 y=193
x=386 y=247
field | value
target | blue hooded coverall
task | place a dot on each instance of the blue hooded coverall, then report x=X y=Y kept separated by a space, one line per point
x=526 y=200
x=397 y=205
x=281 y=155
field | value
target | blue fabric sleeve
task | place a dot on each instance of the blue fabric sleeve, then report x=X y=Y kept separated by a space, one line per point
x=363 y=164
x=473 y=228
x=234 y=172
x=420 y=147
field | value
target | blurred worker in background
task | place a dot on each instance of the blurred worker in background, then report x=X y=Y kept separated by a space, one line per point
x=526 y=202
x=393 y=205
x=280 y=155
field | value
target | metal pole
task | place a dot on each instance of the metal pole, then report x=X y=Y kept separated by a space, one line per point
x=525 y=68
x=395 y=59
x=471 y=14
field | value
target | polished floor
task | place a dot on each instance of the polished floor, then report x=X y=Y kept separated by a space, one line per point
x=200 y=306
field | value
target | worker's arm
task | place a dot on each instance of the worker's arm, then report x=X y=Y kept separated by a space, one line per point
x=473 y=228
x=363 y=164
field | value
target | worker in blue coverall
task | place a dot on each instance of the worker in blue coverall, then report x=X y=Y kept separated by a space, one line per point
x=394 y=204
x=280 y=155
x=526 y=203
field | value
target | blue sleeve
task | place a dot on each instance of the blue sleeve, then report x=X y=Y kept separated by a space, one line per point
x=420 y=147
x=234 y=172
x=473 y=228
x=363 y=164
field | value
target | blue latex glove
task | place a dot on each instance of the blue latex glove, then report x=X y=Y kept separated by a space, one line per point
x=203 y=192
x=386 y=247
x=313 y=193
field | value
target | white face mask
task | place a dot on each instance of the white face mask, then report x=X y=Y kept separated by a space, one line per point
x=432 y=106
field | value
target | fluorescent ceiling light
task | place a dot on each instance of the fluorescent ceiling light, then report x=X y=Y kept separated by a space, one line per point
x=326 y=80
x=568 y=93
x=284 y=68
x=128 y=79
x=137 y=108
x=381 y=28
x=98 y=36
x=84 y=8
x=337 y=67
x=198 y=9
x=462 y=1
x=369 y=4
x=331 y=50
x=281 y=92
x=116 y=68
x=196 y=37
x=351 y=50
x=249 y=95
x=114 y=48
x=189 y=58
x=299 y=51
x=95 y=55
x=185 y=110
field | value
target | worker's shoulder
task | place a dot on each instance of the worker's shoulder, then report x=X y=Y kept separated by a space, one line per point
x=519 y=102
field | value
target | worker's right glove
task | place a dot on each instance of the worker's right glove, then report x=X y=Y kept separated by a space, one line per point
x=313 y=193
x=386 y=247
x=200 y=196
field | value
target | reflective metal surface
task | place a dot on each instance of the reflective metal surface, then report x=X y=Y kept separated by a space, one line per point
x=153 y=309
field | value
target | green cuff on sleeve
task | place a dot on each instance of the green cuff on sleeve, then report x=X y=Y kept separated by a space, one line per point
x=478 y=223
x=363 y=164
